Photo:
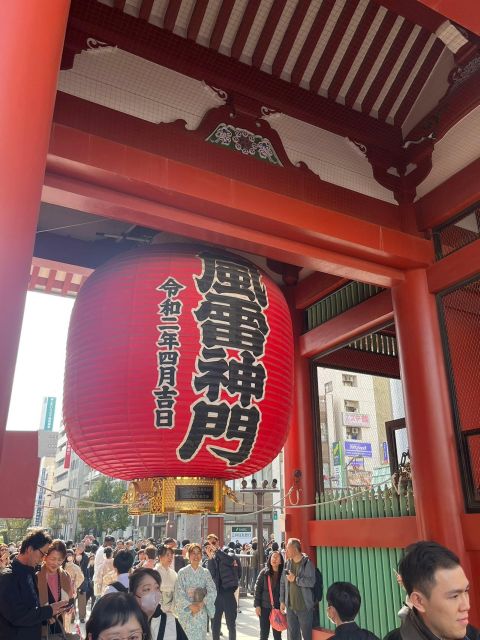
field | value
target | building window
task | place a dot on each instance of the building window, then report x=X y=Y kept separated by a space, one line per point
x=328 y=387
x=351 y=405
x=349 y=380
x=354 y=433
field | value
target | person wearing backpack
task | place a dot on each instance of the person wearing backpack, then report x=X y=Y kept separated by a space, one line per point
x=122 y=563
x=296 y=591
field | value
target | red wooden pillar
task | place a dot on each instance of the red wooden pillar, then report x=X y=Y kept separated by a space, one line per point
x=299 y=451
x=436 y=477
x=31 y=41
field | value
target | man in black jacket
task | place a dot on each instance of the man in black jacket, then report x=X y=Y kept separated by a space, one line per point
x=437 y=589
x=21 y=615
x=344 y=602
x=81 y=558
x=226 y=572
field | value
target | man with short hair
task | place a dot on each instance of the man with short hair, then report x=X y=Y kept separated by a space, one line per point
x=21 y=615
x=226 y=572
x=296 y=591
x=344 y=600
x=122 y=563
x=438 y=593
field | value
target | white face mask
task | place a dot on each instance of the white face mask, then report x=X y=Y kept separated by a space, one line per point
x=150 y=600
x=78 y=558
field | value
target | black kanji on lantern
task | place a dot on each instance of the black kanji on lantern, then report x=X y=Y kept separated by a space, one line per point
x=233 y=330
x=217 y=421
x=164 y=401
x=232 y=323
x=212 y=367
x=223 y=276
x=171 y=287
x=167 y=356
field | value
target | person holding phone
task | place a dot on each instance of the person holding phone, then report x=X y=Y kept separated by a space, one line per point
x=21 y=612
x=54 y=585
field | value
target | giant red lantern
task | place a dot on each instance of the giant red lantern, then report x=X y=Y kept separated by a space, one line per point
x=179 y=363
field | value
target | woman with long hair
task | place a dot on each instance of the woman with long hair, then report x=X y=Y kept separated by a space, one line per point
x=168 y=576
x=268 y=581
x=145 y=587
x=54 y=584
x=117 y=613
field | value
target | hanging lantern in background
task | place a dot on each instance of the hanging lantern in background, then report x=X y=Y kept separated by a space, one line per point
x=178 y=374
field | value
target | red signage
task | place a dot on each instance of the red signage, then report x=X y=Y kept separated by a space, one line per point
x=352 y=419
x=68 y=456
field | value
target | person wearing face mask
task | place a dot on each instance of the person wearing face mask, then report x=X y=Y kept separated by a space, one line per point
x=145 y=586
x=344 y=600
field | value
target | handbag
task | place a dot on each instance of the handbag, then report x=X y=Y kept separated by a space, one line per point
x=63 y=635
x=278 y=620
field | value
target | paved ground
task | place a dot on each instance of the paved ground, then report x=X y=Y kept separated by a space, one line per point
x=247 y=622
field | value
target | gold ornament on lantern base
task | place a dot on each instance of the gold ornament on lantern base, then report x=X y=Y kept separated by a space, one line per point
x=181 y=495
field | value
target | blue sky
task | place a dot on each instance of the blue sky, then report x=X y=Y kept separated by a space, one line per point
x=40 y=360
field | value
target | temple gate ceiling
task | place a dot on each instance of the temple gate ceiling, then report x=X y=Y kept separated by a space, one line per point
x=377 y=97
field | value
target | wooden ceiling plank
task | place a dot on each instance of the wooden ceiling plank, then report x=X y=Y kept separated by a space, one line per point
x=416 y=86
x=146 y=9
x=385 y=70
x=244 y=28
x=370 y=58
x=268 y=30
x=311 y=41
x=221 y=24
x=171 y=14
x=119 y=4
x=333 y=43
x=352 y=50
x=413 y=11
x=290 y=35
x=196 y=19
x=403 y=73
x=141 y=38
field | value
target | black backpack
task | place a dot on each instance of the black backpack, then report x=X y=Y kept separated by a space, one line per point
x=118 y=586
x=318 y=586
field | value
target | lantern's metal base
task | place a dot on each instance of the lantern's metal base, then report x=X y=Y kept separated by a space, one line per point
x=182 y=495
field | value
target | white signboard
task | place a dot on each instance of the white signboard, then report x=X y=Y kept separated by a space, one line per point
x=242 y=534
x=47 y=444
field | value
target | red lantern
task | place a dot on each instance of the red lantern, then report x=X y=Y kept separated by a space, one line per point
x=179 y=363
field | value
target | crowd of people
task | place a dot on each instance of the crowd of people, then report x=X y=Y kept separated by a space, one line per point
x=150 y=591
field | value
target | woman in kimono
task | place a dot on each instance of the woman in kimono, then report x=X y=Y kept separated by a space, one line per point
x=195 y=595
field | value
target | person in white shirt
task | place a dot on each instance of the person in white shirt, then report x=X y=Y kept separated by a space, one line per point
x=169 y=578
x=99 y=560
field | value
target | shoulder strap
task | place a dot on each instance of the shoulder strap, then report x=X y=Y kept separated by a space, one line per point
x=119 y=586
x=270 y=590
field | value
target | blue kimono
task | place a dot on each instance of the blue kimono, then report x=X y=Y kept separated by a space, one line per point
x=188 y=589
